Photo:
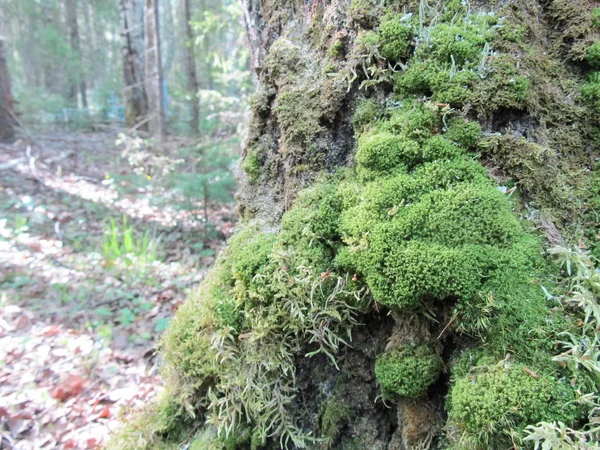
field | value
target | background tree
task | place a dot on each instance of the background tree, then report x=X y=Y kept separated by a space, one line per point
x=153 y=70
x=6 y=101
x=78 y=84
x=131 y=13
x=190 y=65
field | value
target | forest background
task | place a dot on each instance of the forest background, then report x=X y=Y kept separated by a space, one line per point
x=121 y=123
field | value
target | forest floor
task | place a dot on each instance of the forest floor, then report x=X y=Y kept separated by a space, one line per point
x=95 y=257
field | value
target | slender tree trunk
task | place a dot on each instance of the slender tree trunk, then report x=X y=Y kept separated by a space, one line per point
x=153 y=65
x=190 y=67
x=136 y=105
x=79 y=82
x=7 y=132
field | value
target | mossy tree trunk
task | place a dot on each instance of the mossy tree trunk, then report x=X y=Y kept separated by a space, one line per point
x=406 y=167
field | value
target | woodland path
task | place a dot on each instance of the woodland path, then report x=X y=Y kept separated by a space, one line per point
x=81 y=310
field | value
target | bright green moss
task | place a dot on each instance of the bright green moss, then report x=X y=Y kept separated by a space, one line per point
x=593 y=55
x=494 y=401
x=590 y=90
x=464 y=133
x=209 y=439
x=251 y=166
x=395 y=36
x=383 y=151
x=596 y=17
x=407 y=371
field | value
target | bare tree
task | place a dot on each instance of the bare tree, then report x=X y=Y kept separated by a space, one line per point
x=136 y=104
x=79 y=78
x=153 y=72
x=7 y=132
x=190 y=67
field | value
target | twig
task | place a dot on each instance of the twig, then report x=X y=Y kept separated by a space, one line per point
x=446 y=327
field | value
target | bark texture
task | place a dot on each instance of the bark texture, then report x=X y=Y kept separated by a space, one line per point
x=132 y=45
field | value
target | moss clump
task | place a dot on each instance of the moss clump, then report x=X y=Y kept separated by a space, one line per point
x=395 y=36
x=210 y=439
x=383 y=151
x=366 y=112
x=407 y=371
x=251 y=166
x=590 y=90
x=298 y=112
x=494 y=399
x=162 y=425
x=363 y=12
x=593 y=55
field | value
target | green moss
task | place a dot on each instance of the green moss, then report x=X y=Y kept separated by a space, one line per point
x=395 y=36
x=590 y=90
x=366 y=112
x=210 y=439
x=363 y=12
x=298 y=112
x=596 y=17
x=593 y=55
x=464 y=133
x=335 y=412
x=161 y=425
x=495 y=401
x=383 y=151
x=407 y=371
x=251 y=166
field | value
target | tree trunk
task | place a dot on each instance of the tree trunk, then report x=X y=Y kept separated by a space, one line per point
x=154 y=79
x=79 y=78
x=136 y=103
x=7 y=132
x=190 y=67
x=382 y=291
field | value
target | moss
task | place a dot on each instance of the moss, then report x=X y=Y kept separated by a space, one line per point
x=383 y=151
x=162 y=425
x=251 y=166
x=335 y=412
x=366 y=112
x=463 y=132
x=298 y=113
x=590 y=90
x=407 y=371
x=593 y=55
x=363 y=12
x=395 y=37
x=336 y=49
x=542 y=175
x=210 y=439
x=496 y=401
x=596 y=17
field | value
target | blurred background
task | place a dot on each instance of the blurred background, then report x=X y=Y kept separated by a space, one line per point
x=120 y=127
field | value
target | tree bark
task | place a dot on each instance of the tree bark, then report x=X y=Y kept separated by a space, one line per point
x=7 y=132
x=190 y=68
x=78 y=83
x=153 y=65
x=136 y=103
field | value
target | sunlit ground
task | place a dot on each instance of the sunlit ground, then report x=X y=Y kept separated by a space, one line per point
x=83 y=298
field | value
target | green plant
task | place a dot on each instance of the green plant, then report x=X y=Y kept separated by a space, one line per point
x=407 y=371
x=120 y=243
x=593 y=55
